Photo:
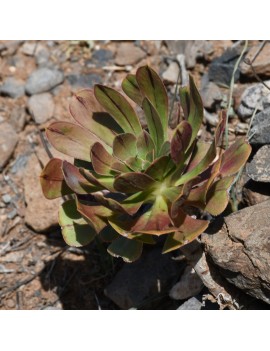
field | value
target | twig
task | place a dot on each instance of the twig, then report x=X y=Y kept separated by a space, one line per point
x=231 y=92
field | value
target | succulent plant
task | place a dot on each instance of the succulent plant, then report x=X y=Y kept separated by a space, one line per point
x=130 y=184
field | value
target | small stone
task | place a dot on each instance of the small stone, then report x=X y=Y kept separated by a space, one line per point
x=211 y=95
x=254 y=193
x=128 y=54
x=251 y=99
x=84 y=81
x=18 y=118
x=12 y=87
x=148 y=276
x=261 y=64
x=260 y=131
x=211 y=118
x=241 y=128
x=43 y=58
x=41 y=107
x=191 y=304
x=29 y=48
x=40 y=214
x=10 y=303
x=8 y=141
x=189 y=285
x=6 y=198
x=43 y=79
x=102 y=57
x=171 y=73
x=10 y=47
x=12 y=214
x=259 y=168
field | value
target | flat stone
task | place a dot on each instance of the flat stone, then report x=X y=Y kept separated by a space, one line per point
x=12 y=87
x=128 y=54
x=84 y=81
x=260 y=131
x=41 y=107
x=259 y=168
x=191 y=304
x=40 y=214
x=189 y=285
x=261 y=64
x=150 y=275
x=18 y=118
x=210 y=95
x=8 y=141
x=43 y=79
x=252 y=98
x=171 y=73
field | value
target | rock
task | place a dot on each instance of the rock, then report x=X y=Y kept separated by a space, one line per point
x=241 y=128
x=171 y=73
x=12 y=87
x=261 y=64
x=259 y=168
x=221 y=68
x=102 y=57
x=6 y=198
x=192 y=49
x=148 y=276
x=10 y=47
x=211 y=118
x=211 y=95
x=18 y=118
x=240 y=250
x=184 y=73
x=252 y=98
x=189 y=285
x=29 y=48
x=43 y=57
x=40 y=214
x=41 y=107
x=128 y=54
x=254 y=193
x=266 y=101
x=43 y=79
x=192 y=304
x=260 y=131
x=8 y=141
x=84 y=81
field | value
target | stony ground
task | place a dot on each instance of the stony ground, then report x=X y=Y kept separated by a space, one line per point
x=37 y=79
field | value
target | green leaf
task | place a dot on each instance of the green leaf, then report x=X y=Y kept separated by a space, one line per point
x=131 y=88
x=154 y=124
x=52 y=180
x=88 y=112
x=133 y=182
x=184 y=100
x=119 y=108
x=195 y=116
x=160 y=168
x=108 y=234
x=235 y=157
x=75 y=230
x=105 y=182
x=180 y=141
x=154 y=90
x=76 y=181
x=124 y=146
x=71 y=139
x=165 y=149
x=145 y=144
x=218 y=196
x=128 y=250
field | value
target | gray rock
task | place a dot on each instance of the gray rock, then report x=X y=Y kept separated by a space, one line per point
x=191 y=304
x=10 y=47
x=12 y=87
x=211 y=118
x=171 y=73
x=18 y=118
x=254 y=193
x=84 y=81
x=251 y=99
x=189 y=285
x=260 y=131
x=128 y=54
x=43 y=58
x=8 y=141
x=43 y=79
x=241 y=128
x=259 y=168
x=29 y=48
x=149 y=276
x=240 y=250
x=211 y=95
x=221 y=68
x=102 y=57
x=6 y=198
x=41 y=107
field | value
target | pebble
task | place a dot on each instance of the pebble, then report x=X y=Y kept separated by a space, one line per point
x=10 y=47
x=8 y=141
x=191 y=304
x=171 y=73
x=6 y=198
x=84 y=81
x=102 y=57
x=241 y=128
x=41 y=107
x=211 y=118
x=259 y=168
x=189 y=285
x=29 y=48
x=43 y=79
x=260 y=131
x=18 y=118
x=12 y=214
x=12 y=87
x=128 y=54
x=211 y=95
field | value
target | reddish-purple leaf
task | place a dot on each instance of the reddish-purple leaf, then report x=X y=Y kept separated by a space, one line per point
x=104 y=182
x=180 y=141
x=124 y=146
x=160 y=168
x=132 y=182
x=145 y=144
